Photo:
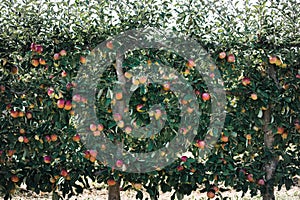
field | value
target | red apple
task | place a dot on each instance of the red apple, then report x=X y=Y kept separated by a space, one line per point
x=210 y=194
x=121 y=124
x=280 y=130
x=197 y=92
x=14 y=114
x=35 y=62
x=48 y=138
x=297 y=75
x=53 y=137
x=21 y=139
x=28 y=115
x=180 y=168
x=22 y=131
x=231 y=58
x=64 y=173
x=32 y=46
x=56 y=56
x=2 y=88
x=14 y=70
x=250 y=178
x=117 y=117
x=26 y=140
x=47 y=159
x=261 y=182
x=100 y=127
x=14 y=178
x=128 y=75
x=111 y=182
x=63 y=52
x=119 y=163
x=64 y=73
x=184 y=158
x=272 y=59
x=76 y=98
x=68 y=105
x=200 y=144
x=166 y=86
x=222 y=55
x=119 y=96
x=206 y=96
x=93 y=127
x=38 y=48
x=76 y=138
x=41 y=61
x=157 y=114
x=110 y=45
x=254 y=96
x=246 y=81
x=61 y=103
x=190 y=63
x=93 y=153
x=10 y=153
x=21 y=114
x=128 y=129
x=142 y=79
x=224 y=138
x=82 y=59
x=50 y=92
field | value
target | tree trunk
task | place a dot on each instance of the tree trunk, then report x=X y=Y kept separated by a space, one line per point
x=114 y=192
x=272 y=160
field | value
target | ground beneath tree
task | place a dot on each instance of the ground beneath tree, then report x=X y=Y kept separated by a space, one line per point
x=101 y=194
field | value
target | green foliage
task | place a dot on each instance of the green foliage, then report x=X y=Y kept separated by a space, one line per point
x=251 y=32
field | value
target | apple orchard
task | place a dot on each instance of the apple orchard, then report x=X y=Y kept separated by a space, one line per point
x=254 y=45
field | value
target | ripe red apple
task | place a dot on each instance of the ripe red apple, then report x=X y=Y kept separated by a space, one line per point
x=215 y=188
x=47 y=159
x=82 y=59
x=100 y=127
x=190 y=64
x=200 y=144
x=14 y=70
x=87 y=154
x=280 y=130
x=222 y=55
x=41 y=61
x=21 y=114
x=157 y=114
x=50 y=92
x=180 y=168
x=224 y=138
x=183 y=158
x=261 y=182
x=272 y=59
x=93 y=153
x=297 y=75
x=128 y=129
x=297 y=124
x=231 y=58
x=121 y=124
x=93 y=127
x=76 y=138
x=128 y=75
x=190 y=110
x=139 y=108
x=28 y=115
x=119 y=163
x=32 y=46
x=250 y=178
x=35 y=62
x=38 y=48
x=197 y=92
x=21 y=139
x=2 y=88
x=205 y=96
x=48 y=138
x=68 y=105
x=14 y=114
x=10 y=153
x=64 y=173
x=53 y=137
x=210 y=194
x=166 y=86
x=76 y=98
x=26 y=140
x=22 y=131
x=142 y=79
x=61 y=103
x=111 y=182
x=110 y=45
x=96 y=133
x=63 y=52
x=246 y=81
x=119 y=96
x=14 y=178
x=117 y=117
x=254 y=96
x=64 y=73
x=56 y=56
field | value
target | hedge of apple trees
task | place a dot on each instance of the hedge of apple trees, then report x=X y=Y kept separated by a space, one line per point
x=255 y=46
